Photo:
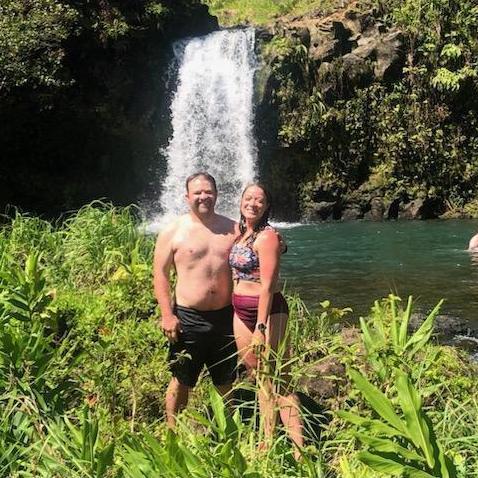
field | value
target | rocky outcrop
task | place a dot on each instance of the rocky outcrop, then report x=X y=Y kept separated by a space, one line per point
x=349 y=49
x=334 y=55
x=371 y=207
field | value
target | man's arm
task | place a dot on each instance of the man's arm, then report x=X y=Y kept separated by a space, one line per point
x=163 y=260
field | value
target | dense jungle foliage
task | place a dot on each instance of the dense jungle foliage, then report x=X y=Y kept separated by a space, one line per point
x=83 y=375
x=82 y=96
x=413 y=135
x=84 y=107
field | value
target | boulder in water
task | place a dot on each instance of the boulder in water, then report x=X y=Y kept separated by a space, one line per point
x=352 y=212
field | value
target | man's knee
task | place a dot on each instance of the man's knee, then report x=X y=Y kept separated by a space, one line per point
x=178 y=390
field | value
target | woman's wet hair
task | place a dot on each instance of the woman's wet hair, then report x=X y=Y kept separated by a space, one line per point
x=201 y=174
x=264 y=220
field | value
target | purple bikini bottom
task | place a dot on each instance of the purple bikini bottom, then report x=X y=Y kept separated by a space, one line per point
x=245 y=306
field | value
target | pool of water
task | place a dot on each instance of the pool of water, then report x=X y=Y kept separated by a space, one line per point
x=354 y=263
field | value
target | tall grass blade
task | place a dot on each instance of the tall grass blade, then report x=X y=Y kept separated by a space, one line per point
x=403 y=334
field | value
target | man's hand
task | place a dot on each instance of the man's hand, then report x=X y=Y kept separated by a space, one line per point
x=171 y=327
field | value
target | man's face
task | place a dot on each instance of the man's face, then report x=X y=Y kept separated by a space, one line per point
x=201 y=196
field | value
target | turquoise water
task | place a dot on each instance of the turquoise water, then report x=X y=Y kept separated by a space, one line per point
x=354 y=263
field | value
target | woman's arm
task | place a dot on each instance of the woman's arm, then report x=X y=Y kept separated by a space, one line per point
x=267 y=246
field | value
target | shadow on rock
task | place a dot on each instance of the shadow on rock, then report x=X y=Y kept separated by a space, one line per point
x=316 y=418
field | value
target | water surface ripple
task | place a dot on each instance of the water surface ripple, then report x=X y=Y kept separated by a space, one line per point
x=354 y=263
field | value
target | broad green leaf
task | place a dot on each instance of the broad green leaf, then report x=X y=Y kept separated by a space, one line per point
x=378 y=317
x=370 y=424
x=393 y=465
x=382 y=464
x=423 y=334
x=367 y=338
x=446 y=466
x=218 y=407
x=410 y=403
x=379 y=402
x=193 y=463
x=388 y=446
x=105 y=460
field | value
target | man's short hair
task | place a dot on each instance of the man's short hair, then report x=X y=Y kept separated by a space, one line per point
x=201 y=174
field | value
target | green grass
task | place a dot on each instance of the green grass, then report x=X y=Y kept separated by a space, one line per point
x=258 y=12
x=83 y=370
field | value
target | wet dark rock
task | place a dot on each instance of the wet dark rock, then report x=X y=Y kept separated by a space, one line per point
x=303 y=34
x=322 y=379
x=322 y=210
x=428 y=208
x=390 y=57
x=352 y=212
x=316 y=417
x=467 y=343
x=364 y=48
x=447 y=328
x=357 y=71
x=263 y=34
x=411 y=210
x=391 y=212
x=376 y=211
x=347 y=50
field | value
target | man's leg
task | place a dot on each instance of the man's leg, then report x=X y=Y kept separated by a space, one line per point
x=185 y=363
x=177 y=396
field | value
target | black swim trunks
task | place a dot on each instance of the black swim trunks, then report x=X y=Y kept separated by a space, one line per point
x=207 y=338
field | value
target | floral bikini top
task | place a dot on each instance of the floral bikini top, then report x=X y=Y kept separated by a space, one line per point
x=244 y=261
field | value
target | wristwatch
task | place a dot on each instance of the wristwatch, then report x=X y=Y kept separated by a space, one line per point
x=261 y=327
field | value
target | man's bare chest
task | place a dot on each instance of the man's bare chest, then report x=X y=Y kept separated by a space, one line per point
x=191 y=250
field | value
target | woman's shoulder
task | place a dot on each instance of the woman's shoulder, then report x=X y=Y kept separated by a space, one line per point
x=268 y=235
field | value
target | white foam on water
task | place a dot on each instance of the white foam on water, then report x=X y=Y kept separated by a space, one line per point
x=286 y=225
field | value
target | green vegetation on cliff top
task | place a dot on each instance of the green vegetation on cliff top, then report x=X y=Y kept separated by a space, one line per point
x=257 y=12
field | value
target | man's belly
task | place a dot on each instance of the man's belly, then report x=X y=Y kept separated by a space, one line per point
x=204 y=294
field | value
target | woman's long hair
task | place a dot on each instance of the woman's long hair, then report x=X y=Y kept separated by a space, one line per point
x=264 y=220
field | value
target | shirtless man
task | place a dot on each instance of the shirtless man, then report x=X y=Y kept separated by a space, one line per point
x=199 y=320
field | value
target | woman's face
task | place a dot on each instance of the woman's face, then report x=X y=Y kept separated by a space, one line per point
x=253 y=204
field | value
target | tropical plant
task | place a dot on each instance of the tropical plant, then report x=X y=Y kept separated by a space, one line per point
x=31 y=352
x=386 y=337
x=215 y=454
x=69 y=450
x=398 y=446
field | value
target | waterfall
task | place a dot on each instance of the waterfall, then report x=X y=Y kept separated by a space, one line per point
x=212 y=119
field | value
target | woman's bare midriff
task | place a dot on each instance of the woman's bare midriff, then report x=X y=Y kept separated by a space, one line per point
x=245 y=287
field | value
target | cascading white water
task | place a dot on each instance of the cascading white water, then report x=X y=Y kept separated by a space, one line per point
x=212 y=119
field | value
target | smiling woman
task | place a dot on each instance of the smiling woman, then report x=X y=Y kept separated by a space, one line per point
x=261 y=312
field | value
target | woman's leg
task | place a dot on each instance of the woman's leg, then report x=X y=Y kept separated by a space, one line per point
x=287 y=402
x=243 y=338
x=265 y=393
